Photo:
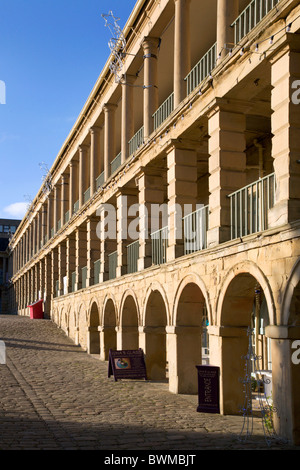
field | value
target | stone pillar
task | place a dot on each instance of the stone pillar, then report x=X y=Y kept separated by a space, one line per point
x=227 y=165
x=70 y=260
x=47 y=286
x=151 y=192
x=182 y=49
x=109 y=138
x=285 y=127
x=93 y=248
x=49 y=217
x=73 y=186
x=64 y=206
x=127 y=114
x=62 y=262
x=54 y=271
x=125 y=201
x=150 y=46
x=81 y=254
x=44 y=224
x=228 y=11
x=182 y=195
x=83 y=173
x=94 y=158
x=286 y=380
x=56 y=209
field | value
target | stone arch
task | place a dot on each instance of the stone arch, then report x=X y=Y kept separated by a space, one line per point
x=156 y=319
x=109 y=323
x=129 y=321
x=73 y=325
x=189 y=335
x=291 y=298
x=242 y=293
x=93 y=327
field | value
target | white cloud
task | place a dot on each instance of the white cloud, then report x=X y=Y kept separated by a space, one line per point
x=16 y=210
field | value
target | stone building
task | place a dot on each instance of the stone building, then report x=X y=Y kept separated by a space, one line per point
x=7 y=228
x=170 y=218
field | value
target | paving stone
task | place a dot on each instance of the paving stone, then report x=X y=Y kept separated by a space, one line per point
x=53 y=395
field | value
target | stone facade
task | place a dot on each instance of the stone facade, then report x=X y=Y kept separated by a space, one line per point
x=202 y=162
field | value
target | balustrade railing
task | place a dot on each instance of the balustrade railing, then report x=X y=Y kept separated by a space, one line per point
x=132 y=257
x=249 y=206
x=159 y=245
x=112 y=265
x=136 y=141
x=251 y=16
x=202 y=69
x=195 y=227
x=116 y=163
x=83 y=277
x=87 y=195
x=163 y=111
x=97 y=266
x=100 y=180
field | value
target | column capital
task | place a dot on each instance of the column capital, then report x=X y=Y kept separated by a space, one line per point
x=108 y=107
x=95 y=129
x=149 y=43
x=83 y=147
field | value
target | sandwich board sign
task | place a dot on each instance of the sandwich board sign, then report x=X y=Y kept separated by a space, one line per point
x=127 y=364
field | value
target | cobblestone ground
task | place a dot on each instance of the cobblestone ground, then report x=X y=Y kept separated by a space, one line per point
x=54 y=396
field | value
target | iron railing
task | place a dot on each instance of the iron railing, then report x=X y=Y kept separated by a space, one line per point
x=249 y=206
x=97 y=267
x=87 y=195
x=195 y=227
x=251 y=16
x=163 y=111
x=132 y=257
x=116 y=163
x=202 y=69
x=76 y=206
x=83 y=277
x=136 y=141
x=159 y=245
x=100 y=180
x=112 y=265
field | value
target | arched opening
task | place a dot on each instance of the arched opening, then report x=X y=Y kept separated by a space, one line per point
x=109 y=329
x=244 y=316
x=192 y=338
x=94 y=335
x=129 y=324
x=155 y=337
x=73 y=329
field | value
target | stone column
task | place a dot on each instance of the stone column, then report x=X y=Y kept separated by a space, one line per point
x=227 y=165
x=286 y=380
x=56 y=211
x=150 y=46
x=94 y=158
x=81 y=254
x=93 y=248
x=83 y=173
x=70 y=260
x=127 y=114
x=228 y=11
x=182 y=195
x=64 y=206
x=47 y=286
x=182 y=49
x=151 y=192
x=109 y=137
x=285 y=127
x=62 y=262
x=44 y=224
x=125 y=202
x=73 y=186
x=49 y=217
x=54 y=271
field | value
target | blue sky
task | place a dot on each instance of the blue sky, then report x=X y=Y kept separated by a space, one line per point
x=51 y=54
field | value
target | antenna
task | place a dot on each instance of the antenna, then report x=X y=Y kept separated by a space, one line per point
x=117 y=45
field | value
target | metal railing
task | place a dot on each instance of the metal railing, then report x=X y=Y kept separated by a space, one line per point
x=132 y=257
x=249 y=206
x=76 y=206
x=97 y=267
x=73 y=281
x=251 y=16
x=67 y=217
x=83 y=277
x=100 y=180
x=116 y=163
x=58 y=225
x=163 y=111
x=195 y=227
x=136 y=141
x=202 y=69
x=112 y=265
x=87 y=195
x=160 y=245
